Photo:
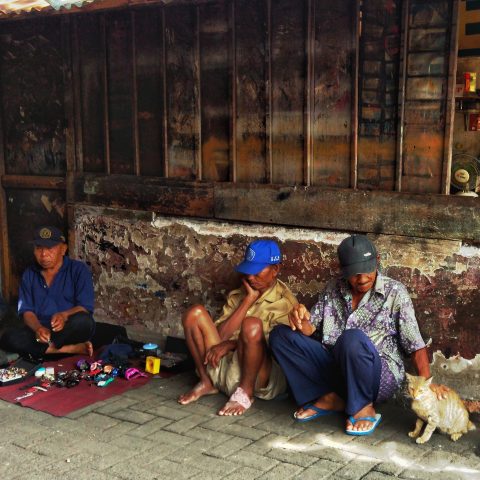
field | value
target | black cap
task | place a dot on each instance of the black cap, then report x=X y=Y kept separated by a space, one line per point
x=48 y=237
x=357 y=254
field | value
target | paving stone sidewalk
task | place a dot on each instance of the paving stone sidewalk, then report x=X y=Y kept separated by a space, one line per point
x=145 y=434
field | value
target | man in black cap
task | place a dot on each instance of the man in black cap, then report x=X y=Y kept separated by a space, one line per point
x=346 y=353
x=55 y=301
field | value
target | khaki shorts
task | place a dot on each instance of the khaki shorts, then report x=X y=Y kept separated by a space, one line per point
x=226 y=377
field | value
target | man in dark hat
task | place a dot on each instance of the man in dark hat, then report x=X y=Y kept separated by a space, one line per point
x=55 y=302
x=231 y=353
x=346 y=353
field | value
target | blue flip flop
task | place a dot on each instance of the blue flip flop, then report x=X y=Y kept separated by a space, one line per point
x=320 y=412
x=375 y=421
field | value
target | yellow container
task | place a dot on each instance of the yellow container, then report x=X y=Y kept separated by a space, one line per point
x=152 y=365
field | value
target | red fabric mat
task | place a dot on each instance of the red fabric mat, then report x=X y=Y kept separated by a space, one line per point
x=62 y=401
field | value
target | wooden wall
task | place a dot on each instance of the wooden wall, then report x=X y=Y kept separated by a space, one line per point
x=169 y=107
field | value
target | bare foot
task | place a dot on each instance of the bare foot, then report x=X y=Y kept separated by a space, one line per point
x=362 y=425
x=330 y=401
x=238 y=403
x=199 y=390
x=85 y=348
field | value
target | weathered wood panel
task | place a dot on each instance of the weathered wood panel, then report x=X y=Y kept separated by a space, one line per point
x=333 y=64
x=428 y=216
x=379 y=67
x=250 y=59
x=182 y=92
x=120 y=92
x=215 y=88
x=149 y=83
x=26 y=210
x=165 y=196
x=288 y=69
x=90 y=44
x=426 y=91
x=31 y=75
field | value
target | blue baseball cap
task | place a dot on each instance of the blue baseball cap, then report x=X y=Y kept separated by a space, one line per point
x=47 y=236
x=258 y=255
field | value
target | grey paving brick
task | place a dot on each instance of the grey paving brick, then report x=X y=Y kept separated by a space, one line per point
x=150 y=427
x=114 y=404
x=256 y=418
x=172 y=413
x=210 y=436
x=212 y=465
x=244 y=473
x=250 y=433
x=132 y=443
x=165 y=469
x=266 y=443
x=377 y=476
x=133 y=416
x=283 y=471
x=356 y=469
x=117 y=430
x=234 y=444
x=98 y=422
x=186 y=424
x=285 y=427
x=250 y=459
x=294 y=457
x=320 y=470
x=132 y=471
x=162 y=436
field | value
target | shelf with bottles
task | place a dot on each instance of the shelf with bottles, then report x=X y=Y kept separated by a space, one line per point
x=468 y=103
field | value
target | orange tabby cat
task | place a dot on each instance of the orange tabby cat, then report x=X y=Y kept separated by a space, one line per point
x=449 y=415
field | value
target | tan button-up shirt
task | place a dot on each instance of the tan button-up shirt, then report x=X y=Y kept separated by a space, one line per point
x=271 y=308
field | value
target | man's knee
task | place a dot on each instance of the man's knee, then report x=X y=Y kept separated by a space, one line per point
x=350 y=342
x=252 y=330
x=193 y=315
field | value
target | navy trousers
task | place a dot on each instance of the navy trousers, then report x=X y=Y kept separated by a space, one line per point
x=352 y=368
x=79 y=328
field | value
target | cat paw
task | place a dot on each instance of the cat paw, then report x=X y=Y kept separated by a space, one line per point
x=420 y=440
x=455 y=436
x=413 y=434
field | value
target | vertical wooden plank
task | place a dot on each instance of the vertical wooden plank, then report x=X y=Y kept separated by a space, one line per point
x=164 y=99
x=288 y=84
x=106 y=94
x=92 y=83
x=136 y=144
x=404 y=39
x=450 y=107
x=70 y=138
x=334 y=64
x=182 y=91
x=309 y=94
x=198 y=88
x=120 y=92
x=426 y=84
x=149 y=80
x=250 y=28
x=268 y=96
x=233 y=76
x=5 y=269
x=379 y=65
x=214 y=85
x=77 y=95
x=33 y=101
x=355 y=87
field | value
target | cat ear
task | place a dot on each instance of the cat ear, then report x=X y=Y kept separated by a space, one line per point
x=409 y=377
x=428 y=381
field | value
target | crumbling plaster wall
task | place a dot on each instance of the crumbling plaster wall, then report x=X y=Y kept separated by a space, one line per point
x=148 y=269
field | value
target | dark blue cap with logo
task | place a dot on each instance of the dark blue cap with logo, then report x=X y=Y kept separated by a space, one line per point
x=357 y=254
x=259 y=254
x=48 y=237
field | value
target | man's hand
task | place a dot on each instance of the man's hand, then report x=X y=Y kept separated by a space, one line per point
x=299 y=318
x=252 y=294
x=42 y=335
x=441 y=391
x=58 y=321
x=217 y=352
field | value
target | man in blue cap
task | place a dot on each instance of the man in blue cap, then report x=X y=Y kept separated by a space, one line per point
x=231 y=354
x=346 y=353
x=55 y=302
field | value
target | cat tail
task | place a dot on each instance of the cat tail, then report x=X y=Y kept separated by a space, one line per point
x=471 y=426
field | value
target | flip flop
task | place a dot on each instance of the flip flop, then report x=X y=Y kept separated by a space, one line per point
x=358 y=433
x=320 y=412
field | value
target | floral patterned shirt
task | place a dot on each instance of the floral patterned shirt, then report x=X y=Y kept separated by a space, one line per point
x=385 y=314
